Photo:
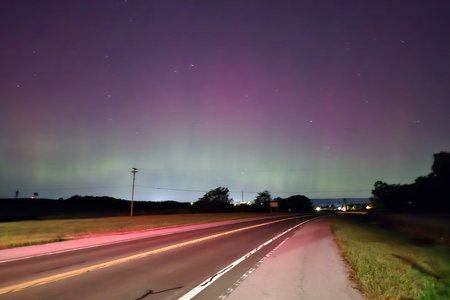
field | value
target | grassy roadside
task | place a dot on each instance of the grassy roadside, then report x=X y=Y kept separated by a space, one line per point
x=23 y=233
x=389 y=265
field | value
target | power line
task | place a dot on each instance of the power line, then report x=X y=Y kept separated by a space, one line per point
x=193 y=190
x=172 y=189
x=74 y=188
x=252 y=192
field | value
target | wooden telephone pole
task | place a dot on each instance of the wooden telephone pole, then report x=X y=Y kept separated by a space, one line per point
x=133 y=171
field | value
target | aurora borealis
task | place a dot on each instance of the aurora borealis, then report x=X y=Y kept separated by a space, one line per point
x=320 y=98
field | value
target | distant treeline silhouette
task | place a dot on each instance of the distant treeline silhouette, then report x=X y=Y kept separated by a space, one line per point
x=82 y=206
x=429 y=193
x=216 y=200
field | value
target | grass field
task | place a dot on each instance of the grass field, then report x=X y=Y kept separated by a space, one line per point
x=22 y=233
x=389 y=265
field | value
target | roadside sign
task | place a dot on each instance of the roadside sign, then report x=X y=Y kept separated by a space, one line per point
x=273 y=206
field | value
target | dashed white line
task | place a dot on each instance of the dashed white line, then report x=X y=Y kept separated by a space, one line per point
x=195 y=291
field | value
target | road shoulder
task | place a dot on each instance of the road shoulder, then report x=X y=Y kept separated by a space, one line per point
x=308 y=265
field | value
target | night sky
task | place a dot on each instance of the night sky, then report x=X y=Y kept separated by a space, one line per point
x=320 y=98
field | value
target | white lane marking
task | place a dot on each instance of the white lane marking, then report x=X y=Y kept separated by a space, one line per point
x=250 y=271
x=76 y=272
x=195 y=291
x=151 y=231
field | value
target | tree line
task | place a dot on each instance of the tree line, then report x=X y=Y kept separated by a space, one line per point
x=429 y=193
x=216 y=200
x=82 y=206
x=219 y=200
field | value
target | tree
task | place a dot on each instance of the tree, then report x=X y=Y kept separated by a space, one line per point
x=393 y=196
x=380 y=193
x=427 y=193
x=216 y=200
x=262 y=201
x=441 y=165
x=440 y=186
x=297 y=203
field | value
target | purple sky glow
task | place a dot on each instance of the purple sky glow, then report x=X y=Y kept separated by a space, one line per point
x=320 y=98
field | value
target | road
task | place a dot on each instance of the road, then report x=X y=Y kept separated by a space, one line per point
x=164 y=267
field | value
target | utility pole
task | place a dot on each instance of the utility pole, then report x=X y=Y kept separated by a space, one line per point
x=133 y=171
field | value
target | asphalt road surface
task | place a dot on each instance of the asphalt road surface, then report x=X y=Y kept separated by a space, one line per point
x=165 y=267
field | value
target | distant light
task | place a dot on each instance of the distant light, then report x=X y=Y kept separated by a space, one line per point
x=318 y=208
x=339 y=208
x=192 y=203
x=369 y=207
